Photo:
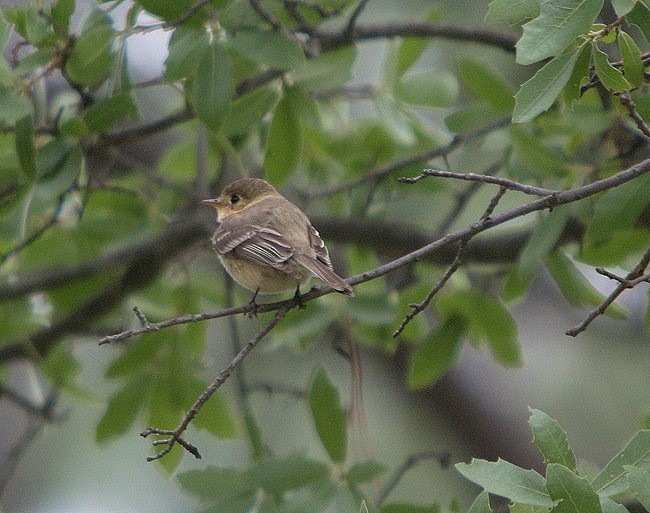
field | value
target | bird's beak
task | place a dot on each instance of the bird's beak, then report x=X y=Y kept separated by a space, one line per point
x=215 y=203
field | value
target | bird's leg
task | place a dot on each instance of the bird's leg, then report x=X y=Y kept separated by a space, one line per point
x=253 y=304
x=298 y=298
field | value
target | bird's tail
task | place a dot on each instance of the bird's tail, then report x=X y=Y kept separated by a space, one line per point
x=325 y=273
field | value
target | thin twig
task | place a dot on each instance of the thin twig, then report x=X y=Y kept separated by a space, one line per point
x=473 y=177
x=349 y=28
x=628 y=283
x=417 y=308
x=410 y=462
x=264 y=13
x=637 y=272
x=482 y=225
x=627 y=102
x=175 y=434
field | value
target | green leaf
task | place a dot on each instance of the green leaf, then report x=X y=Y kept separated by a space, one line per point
x=431 y=87
x=249 y=110
x=579 y=76
x=271 y=47
x=437 y=354
x=559 y=24
x=220 y=486
x=409 y=508
x=409 y=50
x=216 y=415
x=612 y=480
x=512 y=11
x=551 y=440
x=609 y=76
x=639 y=480
x=573 y=493
x=481 y=504
x=471 y=118
x=107 y=112
x=284 y=142
x=575 y=287
x=543 y=239
x=538 y=93
x=280 y=475
x=25 y=147
x=527 y=508
x=609 y=506
x=187 y=46
x=622 y=7
x=515 y=284
x=92 y=54
x=61 y=13
x=535 y=155
x=632 y=63
x=487 y=320
x=640 y=16
x=331 y=69
x=508 y=480
x=165 y=9
x=328 y=415
x=364 y=472
x=214 y=86
x=486 y=85
x=62 y=368
x=123 y=408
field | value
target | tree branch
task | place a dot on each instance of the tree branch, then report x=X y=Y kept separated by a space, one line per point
x=482 y=225
x=175 y=434
x=628 y=282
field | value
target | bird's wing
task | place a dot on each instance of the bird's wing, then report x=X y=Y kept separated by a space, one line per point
x=318 y=245
x=256 y=244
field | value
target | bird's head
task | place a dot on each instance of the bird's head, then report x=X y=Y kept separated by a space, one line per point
x=240 y=194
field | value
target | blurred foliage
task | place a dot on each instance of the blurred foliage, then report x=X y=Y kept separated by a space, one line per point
x=272 y=86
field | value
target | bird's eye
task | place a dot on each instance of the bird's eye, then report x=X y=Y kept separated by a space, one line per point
x=234 y=199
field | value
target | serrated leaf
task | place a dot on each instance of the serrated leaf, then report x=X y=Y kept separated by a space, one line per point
x=487 y=319
x=639 y=480
x=481 y=504
x=122 y=408
x=186 y=49
x=508 y=480
x=284 y=142
x=214 y=86
x=609 y=76
x=622 y=7
x=364 y=472
x=431 y=87
x=551 y=440
x=538 y=94
x=25 y=147
x=512 y=11
x=328 y=415
x=612 y=480
x=108 y=111
x=632 y=63
x=271 y=47
x=486 y=85
x=437 y=354
x=558 y=25
x=573 y=493
x=91 y=57
x=575 y=287
x=542 y=240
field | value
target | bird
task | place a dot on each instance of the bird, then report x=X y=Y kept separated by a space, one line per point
x=266 y=243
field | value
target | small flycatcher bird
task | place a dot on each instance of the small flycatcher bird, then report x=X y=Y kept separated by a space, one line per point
x=266 y=243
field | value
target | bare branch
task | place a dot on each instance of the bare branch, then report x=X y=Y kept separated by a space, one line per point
x=636 y=273
x=473 y=177
x=628 y=283
x=627 y=102
x=349 y=29
x=175 y=434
